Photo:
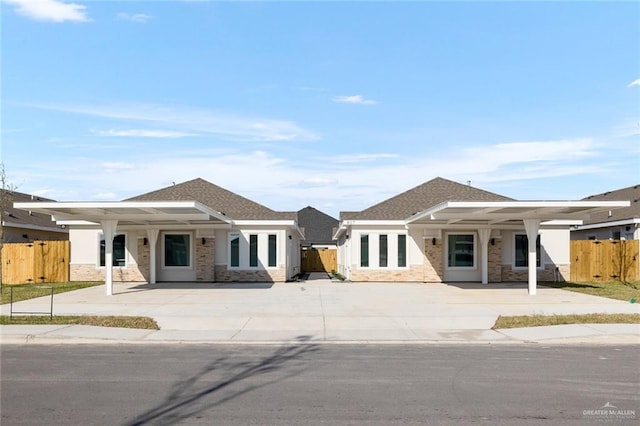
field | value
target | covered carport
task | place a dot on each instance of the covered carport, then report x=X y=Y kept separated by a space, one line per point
x=110 y=217
x=485 y=216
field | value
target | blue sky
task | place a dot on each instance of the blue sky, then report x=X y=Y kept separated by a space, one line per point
x=337 y=105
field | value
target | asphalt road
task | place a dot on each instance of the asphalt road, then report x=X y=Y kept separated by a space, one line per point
x=318 y=384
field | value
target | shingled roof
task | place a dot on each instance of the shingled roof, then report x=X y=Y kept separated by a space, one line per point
x=219 y=199
x=421 y=198
x=19 y=218
x=631 y=193
x=318 y=226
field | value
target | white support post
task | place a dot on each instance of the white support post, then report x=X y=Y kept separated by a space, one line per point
x=532 y=226
x=152 y=236
x=484 y=235
x=109 y=231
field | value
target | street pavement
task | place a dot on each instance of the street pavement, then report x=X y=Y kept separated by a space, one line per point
x=321 y=310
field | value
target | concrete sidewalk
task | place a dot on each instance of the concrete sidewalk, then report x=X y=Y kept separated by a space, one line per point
x=324 y=311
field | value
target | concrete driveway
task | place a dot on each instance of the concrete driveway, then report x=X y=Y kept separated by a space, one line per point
x=320 y=309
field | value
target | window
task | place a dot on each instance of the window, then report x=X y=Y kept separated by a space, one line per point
x=272 y=250
x=364 y=251
x=461 y=251
x=234 y=244
x=119 y=250
x=383 y=251
x=522 y=251
x=177 y=250
x=402 y=251
x=253 y=250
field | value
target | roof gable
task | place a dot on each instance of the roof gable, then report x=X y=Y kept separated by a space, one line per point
x=631 y=193
x=318 y=226
x=217 y=198
x=423 y=197
x=18 y=217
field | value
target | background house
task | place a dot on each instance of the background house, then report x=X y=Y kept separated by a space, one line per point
x=24 y=226
x=616 y=224
x=318 y=249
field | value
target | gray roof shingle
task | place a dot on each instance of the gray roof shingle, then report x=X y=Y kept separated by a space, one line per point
x=421 y=198
x=631 y=193
x=318 y=226
x=20 y=217
x=217 y=198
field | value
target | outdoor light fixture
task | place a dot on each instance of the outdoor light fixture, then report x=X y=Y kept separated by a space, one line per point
x=493 y=241
x=204 y=240
x=433 y=241
x=290 y=237
x=145 y=241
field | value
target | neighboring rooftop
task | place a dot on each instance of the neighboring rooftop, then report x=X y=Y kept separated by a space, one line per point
x=631 y=193
x=318 y=226
x=421 y=198
x=217 y=198
x=24 y=219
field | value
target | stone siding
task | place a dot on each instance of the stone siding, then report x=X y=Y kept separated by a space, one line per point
x=495 y=261
x=415 y=273
x=222 y=274
x=433 y=261
x=522 y=275
x=84 y=272
x=205 y=256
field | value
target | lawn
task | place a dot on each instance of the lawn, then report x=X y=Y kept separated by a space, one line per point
x=102 y=321
x=541 y=320
x=610 y=289
x=31 y=291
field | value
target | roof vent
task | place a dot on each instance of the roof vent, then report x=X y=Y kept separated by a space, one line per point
x=468 y=183
x=610 y=214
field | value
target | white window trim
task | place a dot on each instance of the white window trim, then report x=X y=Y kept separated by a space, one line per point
x=230 y=237
x=191 y=250
x=126 y=250
x=368 y=235
x=475 y=252
x=525 y=268
x=267 y=266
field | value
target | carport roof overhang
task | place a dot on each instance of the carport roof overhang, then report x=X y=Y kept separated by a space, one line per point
x=128 y=213
x=512 y=212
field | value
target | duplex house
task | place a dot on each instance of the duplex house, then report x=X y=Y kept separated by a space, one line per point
x=446 y=231
x=190 y=232
x=620 y=224
x=24 y=226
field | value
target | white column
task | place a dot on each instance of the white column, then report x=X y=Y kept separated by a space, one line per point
x=484 y=235
x=532 y=226
x=152 y=236
x=109 y=231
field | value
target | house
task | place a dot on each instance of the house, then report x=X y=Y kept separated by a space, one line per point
x=620 y=224
x=24 y=226
x=190 y=232
x=443 y=231
x=318 y=228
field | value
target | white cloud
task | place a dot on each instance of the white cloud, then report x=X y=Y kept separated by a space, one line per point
x=354 y=99
x=634 y=83
x=358 y=158
x=141 y=133
x=50 y=10
x=197 y=121
x=138 y=18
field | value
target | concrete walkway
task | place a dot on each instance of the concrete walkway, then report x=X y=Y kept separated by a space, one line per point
x=322 y=310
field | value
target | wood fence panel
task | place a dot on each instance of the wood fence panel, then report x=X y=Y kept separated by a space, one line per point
x=323 y=260
x=37 y=262
x=593 y=260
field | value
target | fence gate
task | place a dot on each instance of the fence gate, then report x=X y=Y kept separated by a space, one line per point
x=609 y=260
x=36 y=262
x=319 y=260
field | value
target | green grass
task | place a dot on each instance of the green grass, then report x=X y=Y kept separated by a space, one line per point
x=31 y=291
x=102 y=321
x=542 y=320
x=610 y=289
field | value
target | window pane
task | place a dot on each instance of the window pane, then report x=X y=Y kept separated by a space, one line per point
x=235 y=250
x=176 y=250
x=253 y=250
x=119 y=250
x=461 y=250
x=522 y=251
x=402 y=250
x=364 y=250
x=272 y=250
x=383 y=251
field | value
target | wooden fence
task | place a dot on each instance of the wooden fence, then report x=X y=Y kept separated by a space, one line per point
x=319 y=260
x=36 y=262
x=609 y=260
